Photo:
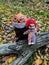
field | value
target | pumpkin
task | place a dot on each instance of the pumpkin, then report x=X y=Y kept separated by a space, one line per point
x=20 y=18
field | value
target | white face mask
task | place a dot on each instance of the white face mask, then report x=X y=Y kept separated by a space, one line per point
x=19 y=25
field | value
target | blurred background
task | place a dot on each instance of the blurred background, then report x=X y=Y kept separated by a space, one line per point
x=38 y=10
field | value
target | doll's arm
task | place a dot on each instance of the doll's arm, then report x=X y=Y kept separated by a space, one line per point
x=26 y=32
x=36 y=32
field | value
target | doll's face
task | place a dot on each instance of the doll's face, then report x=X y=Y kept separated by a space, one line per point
x=32 y=26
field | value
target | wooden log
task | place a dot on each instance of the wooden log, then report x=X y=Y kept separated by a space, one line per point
x=42 y=40
x=4 y=48
x=26 y=54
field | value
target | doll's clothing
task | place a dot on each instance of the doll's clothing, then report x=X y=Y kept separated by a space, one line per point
x=31 y=37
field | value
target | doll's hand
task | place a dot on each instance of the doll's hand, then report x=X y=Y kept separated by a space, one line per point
x=24 y=33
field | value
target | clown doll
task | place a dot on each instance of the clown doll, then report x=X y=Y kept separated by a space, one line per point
x=31 y=24
x=31 y=34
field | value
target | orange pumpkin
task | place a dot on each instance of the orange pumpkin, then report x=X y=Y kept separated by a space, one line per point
x=20 y=18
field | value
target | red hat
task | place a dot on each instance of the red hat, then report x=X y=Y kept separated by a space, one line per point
x=30 y=21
